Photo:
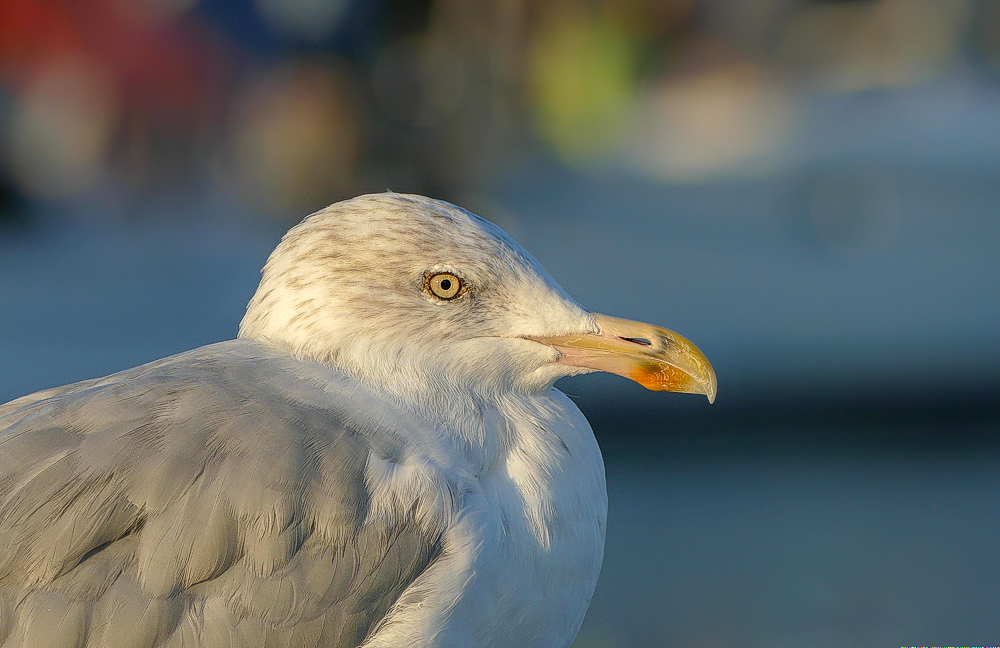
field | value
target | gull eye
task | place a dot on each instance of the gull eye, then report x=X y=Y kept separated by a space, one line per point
x=444 y=285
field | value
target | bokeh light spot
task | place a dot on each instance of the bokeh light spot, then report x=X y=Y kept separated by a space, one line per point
x=59 y=134
x=582 y=76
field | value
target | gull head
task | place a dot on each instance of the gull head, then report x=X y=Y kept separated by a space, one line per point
x=404 y=292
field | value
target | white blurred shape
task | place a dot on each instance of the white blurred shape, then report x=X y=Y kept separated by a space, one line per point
x=694 y=126
x=59 y=134
x=310 y=19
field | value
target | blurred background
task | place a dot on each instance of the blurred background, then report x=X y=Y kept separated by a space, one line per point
x=809 y=190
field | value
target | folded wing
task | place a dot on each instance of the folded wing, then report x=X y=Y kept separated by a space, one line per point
x=196 y=502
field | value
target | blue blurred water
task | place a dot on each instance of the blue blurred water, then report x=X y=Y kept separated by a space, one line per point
x=813 y=551
x=736 y=267
x=84 y=302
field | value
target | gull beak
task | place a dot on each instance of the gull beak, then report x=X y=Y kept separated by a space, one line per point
x=654 y=357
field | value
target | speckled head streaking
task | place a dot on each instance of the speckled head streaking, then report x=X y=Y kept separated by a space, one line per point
x=349 y=287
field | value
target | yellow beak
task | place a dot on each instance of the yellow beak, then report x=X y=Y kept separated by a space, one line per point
x=654 y=357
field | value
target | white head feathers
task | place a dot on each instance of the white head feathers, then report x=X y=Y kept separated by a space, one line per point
x=348 y=287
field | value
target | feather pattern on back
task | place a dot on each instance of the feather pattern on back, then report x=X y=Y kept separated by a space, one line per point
x=239 y=510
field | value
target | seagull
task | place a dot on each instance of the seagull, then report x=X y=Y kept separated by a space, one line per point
x=379 y=459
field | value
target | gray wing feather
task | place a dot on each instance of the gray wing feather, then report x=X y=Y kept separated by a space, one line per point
x=216 y=498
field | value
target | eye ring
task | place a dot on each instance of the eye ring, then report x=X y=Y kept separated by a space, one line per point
x=444 y=285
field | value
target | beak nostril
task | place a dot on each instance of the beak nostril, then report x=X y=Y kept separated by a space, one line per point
x=639 y=341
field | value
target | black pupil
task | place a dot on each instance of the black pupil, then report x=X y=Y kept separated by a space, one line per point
x=446 y=284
